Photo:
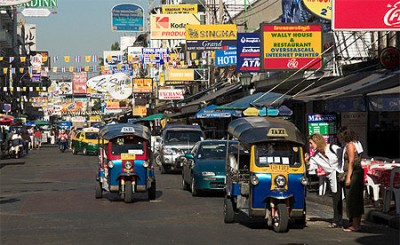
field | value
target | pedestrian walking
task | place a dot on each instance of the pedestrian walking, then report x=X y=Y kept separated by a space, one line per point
x=354 y=178
x=326 y=157
x=38 y=138
x=26 y=138
x=71 y=135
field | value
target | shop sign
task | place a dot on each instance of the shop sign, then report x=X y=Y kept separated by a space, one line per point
x=154 y=55
x=211 y=32
x=204 y=45
x=179 y=75
x=291 y=46
x=127 y=18
x=142 y=85
x=379 y=15
x=40 y=4
x=171 y=26
x=170 y=94
x=226 y=57
x=180 y=9
x=35 y=12
x=139 y=110
x=322 y=9
x=79 y=82
x=248 y=54
x=113 y=58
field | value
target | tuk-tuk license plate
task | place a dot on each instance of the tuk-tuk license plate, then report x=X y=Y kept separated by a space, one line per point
x=279 y=168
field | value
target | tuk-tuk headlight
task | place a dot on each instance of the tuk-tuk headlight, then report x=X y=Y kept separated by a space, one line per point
x=128 y=165
x=280 y=181
x=110 y=164
x=304 y=180
x=254 y=180
x=145 y=164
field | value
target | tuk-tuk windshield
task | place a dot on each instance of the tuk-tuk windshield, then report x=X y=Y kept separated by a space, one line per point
x=92 y=135
x=129 y=144
x=278 y=153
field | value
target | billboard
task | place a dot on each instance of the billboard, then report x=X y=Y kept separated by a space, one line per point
x=142 y=85
x=127 y=18
x=170 y=94
x=248 y=54
x=379 y=15
x=180 y=9
x=171 y=26
x=211 y=32
x=291 y=46
x=179 y=75
x=154 y=55
x=226 y=57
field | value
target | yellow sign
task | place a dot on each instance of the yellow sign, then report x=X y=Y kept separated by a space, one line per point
x=142 y=85
x=180 y=9
x=251 y=112
x=322 y=9
x=179 y=75
x=277 y=132
x=171 y=26
x=211 y=32
x=127 y=156
x=139 y=110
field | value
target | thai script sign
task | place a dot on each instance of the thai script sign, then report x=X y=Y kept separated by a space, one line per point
x=127 y=18
x=322 y=9
x=142 y=85
x=211 y=32
x=291 y=46
x=180 y=9
x=154 y=55
x=379 y=15
x=171 y=26
x=248 y=54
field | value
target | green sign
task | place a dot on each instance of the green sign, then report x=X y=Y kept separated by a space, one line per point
x=322 y=128
x=41 y=4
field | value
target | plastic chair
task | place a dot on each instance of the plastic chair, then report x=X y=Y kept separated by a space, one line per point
x=392 y=190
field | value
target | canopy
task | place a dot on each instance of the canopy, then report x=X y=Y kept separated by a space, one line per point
x=210 y=112
x=252 y=130
x=38 y=122
x=257 y=99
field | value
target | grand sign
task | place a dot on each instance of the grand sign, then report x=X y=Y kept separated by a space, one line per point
x=379 y=15
x=171 y=26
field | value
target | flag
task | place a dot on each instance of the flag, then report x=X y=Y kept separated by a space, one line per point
x=66 y=58
x=30 y=71
x=94 y=58
x=55 y=59
x=87 y=58
x=71 y=69
x=5 y=70
x=63 y=69
x=44 y=58
x=54 y=69
x=21 y=70
x=1 y=58
x=10 y=59
x=94 y=68
x=22 y=59
x=77 y=59
x=86 y=68
x=79 y=69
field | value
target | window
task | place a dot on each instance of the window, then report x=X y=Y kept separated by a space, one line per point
x=127 y=145
x=183 y=136
x=277 y=153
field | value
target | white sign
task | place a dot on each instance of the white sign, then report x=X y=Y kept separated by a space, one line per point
x=12 y=2
x=99 y=83
x=119 y=86
x=33 y=12
x=170 y=94
x=127 y=130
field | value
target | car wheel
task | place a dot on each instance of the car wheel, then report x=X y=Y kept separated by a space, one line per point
x=99 y=191
x=128 y=191
x=84 y=151
x=193 y=188
x=185 y=186
x=74 y=151
x=152 y=191
x=281 y=218
x=229 y=213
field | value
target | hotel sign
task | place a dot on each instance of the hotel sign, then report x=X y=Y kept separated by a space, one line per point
x=291 y=46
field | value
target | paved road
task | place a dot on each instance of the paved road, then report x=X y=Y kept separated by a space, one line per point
x=49 y=199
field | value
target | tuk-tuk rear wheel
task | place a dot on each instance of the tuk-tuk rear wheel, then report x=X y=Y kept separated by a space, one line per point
x=99 y=191
x=281 y=218
x=128 y=191
x=74 y=151
x=229 y=213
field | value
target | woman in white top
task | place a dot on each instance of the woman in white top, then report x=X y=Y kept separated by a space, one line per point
x=326 y=157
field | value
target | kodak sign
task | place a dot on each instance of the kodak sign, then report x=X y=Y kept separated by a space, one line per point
x=171 y=26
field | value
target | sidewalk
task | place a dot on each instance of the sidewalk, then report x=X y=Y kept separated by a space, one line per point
x=371 y=213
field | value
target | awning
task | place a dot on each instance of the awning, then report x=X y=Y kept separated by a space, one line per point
x=210 y=112
x=257 y=100
x=385 y=100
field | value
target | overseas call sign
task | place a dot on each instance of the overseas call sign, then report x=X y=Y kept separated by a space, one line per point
x=291 y=47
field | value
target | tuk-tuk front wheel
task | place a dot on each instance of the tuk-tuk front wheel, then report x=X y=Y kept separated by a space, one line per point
x=152 y=191
x=229 y=213
x=128 y=197
x=99 y=191
x=281 y=218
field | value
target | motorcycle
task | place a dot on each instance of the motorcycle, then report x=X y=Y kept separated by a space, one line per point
x=15 y=148
x=62 y=144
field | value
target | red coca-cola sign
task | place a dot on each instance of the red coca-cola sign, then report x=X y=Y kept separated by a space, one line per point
x=374 y=15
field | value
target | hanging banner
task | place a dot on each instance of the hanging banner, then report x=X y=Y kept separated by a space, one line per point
x=248 y=52
x=291 y=46
x=379 y=15
x=127 y=18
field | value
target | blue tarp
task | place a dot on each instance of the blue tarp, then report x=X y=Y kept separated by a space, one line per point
x=210 y=112
x=258 y=100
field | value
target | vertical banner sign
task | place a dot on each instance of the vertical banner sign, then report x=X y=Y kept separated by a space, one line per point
x=291 y=46
x=248 y=53
x=79 y=82
x=127 y=18
x=378 y=15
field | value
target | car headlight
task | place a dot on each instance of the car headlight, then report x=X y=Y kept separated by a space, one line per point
x=128 y=165
x=254 y=180
x=208 y=173
x=145 y=164
x=304 y=180
x=280 y=181
x=110 y=164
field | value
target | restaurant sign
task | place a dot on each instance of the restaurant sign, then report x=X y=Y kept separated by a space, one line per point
x=291 y=46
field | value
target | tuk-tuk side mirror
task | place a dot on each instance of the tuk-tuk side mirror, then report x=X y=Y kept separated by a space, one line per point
x=189 y=156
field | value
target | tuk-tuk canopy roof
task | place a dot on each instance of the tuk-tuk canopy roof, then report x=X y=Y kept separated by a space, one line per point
x=252 y=130
x=115 y=130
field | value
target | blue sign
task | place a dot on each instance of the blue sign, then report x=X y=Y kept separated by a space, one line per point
x=154 y=55
x=225 y=57
x=127 y=18
x=199 y=45
x=248 y=46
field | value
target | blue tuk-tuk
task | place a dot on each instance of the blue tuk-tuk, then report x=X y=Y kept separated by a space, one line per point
x=268 y=179
x=125 y=161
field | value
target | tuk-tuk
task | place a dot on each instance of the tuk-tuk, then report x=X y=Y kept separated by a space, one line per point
x=125 y=161
x=86 y=141
x=268 y=179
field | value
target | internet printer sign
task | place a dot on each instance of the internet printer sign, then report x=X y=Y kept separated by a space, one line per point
x=248 y=56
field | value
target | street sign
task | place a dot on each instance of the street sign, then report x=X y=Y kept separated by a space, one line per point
x=34 y=12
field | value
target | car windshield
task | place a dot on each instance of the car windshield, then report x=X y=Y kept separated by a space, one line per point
x=215 y=150
x=127 y=145
x=91 y=135
x=183 y=136
x=278 y=153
